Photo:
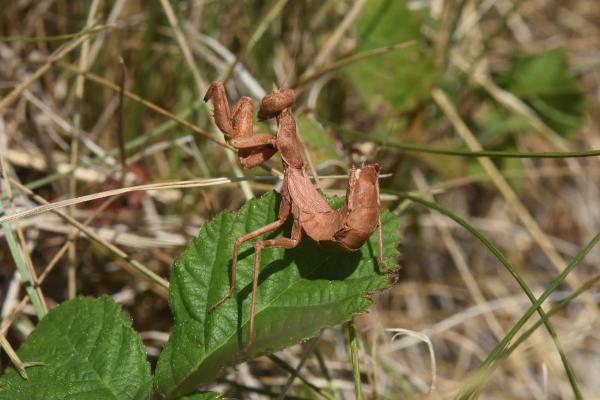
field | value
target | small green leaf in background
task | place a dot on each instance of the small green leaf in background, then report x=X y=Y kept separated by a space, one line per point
x=545 y=83
x=499 y=127
x=300 y=292
x=403 y=78
x=88 y=350
x=317 y=140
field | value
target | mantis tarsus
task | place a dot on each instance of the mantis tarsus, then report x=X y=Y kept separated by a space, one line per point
x=346 y=228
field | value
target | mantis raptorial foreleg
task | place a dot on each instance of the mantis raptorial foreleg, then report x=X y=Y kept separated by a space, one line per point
x=254 y=141
x=237 y=127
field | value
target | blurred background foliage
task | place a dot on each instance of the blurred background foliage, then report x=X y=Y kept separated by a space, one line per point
x=518 y=76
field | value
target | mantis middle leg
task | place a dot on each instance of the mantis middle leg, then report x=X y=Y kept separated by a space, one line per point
x=284 y=212
x=286 y=243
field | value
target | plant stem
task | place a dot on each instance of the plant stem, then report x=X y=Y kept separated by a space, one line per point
x=408 y=147
x=353 y=347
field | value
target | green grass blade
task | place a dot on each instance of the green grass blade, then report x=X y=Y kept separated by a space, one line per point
x=463 y=153
x=511 y=269
x=499 y=350
x=353 y=347
x=566 y=301
x=26 y=278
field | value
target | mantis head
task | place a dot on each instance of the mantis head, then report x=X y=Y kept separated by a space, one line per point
x=275 y=102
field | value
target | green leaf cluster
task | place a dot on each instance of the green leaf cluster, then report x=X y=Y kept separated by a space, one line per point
x=86 y=348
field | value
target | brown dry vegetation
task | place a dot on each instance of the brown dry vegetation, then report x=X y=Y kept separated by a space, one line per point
x=463 y=83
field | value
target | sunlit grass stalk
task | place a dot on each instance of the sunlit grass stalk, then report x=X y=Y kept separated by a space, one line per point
x=512 y=270
x=353 y=349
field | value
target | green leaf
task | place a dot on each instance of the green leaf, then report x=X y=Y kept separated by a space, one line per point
x=87 y=350
x=317 y=140
x=545 y=83
x=300 y=292
x=403 y=78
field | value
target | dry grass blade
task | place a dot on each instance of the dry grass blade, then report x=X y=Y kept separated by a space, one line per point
x=14 y=358
x=515 y=76
x=14 y=94
x=257 y=33
x=471 y=282
x=145 y=103
x=334 y=38
x=425 y=339
x=8 y=320
x=201 y=85
x=74 y=153
x=115 y=192
x=532 y=226
x=307 y=352
x=136 y=265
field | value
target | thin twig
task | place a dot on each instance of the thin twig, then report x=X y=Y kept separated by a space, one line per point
x=121 y=123
x=354 y=58
x=309 y=349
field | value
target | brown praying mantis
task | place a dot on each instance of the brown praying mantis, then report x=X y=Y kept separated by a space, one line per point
x=346 y=228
